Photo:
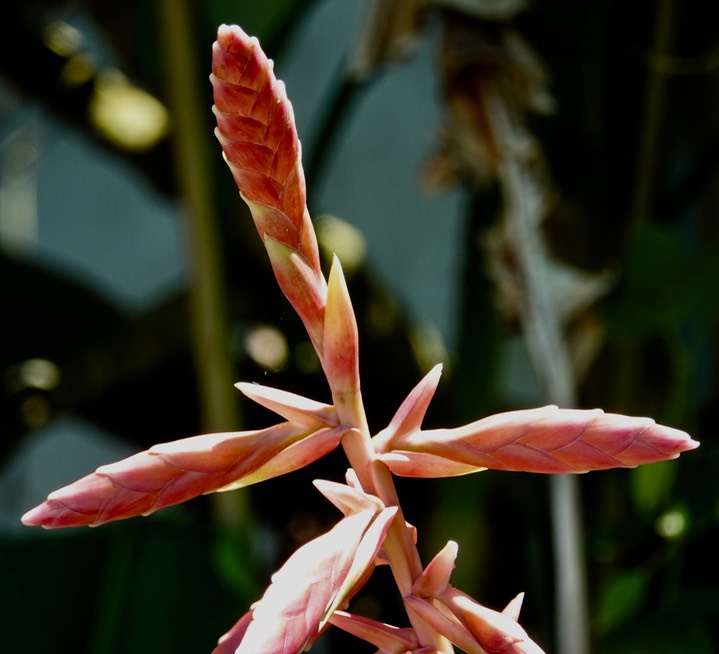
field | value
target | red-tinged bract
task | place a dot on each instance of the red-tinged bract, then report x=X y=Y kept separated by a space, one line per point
x=311 y=585
x=546 y=440
x=341 y=342
x=256 y=129
x=175 y=472
x=387 y=638
x=229 y=643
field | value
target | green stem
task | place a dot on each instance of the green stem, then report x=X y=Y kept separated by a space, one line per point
x=208 y=311
x=192 y=156
x=653 y=112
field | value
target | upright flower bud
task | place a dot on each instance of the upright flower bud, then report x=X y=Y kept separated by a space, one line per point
x=341 y=343
x=256 y=129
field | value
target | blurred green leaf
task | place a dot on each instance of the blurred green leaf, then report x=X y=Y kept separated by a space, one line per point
x=672 y=630
x=665 y=283
x=619 y=599
x=651 y=486
x=235 y=564
x=146 y=586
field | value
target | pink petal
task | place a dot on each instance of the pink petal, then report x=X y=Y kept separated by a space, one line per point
x=421 y=464
x=514 y=607
x=347 y=499
x=295 y=456
x=305 y=289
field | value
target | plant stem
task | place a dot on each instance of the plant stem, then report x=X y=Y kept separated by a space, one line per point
x=645 y=181
x=652 y=115
x=192 y=156
x=523 y=191
x=208 y=311
x=399 y=545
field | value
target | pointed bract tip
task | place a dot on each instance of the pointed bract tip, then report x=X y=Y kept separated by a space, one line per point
x=233 y=38
x=514 y=607
x=435 y=577
x=347 y=499
x=341 y=340
x=408 y=418
x=495 y=631
x=35 y=516
x=297 y=409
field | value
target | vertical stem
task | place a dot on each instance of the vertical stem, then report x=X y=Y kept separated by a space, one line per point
x=651 y=118
x=192 y=156
x=543 y=333
x=375 y=478
x=207 y=295
x=645 y=178
x=571 y=620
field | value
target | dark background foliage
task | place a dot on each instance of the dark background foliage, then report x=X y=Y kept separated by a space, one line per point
x=99 y=357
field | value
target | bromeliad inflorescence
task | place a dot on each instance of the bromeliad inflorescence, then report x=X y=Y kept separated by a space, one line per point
x=256 y=129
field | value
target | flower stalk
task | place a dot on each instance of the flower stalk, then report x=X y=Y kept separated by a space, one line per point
x=313 y=588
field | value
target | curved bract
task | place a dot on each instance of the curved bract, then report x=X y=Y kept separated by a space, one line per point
x=546 y=440
x=175 y=472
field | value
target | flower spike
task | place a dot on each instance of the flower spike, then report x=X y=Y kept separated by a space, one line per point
x=257 y=133
x=175 y=472
x=256 y=129
x=547 y=440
